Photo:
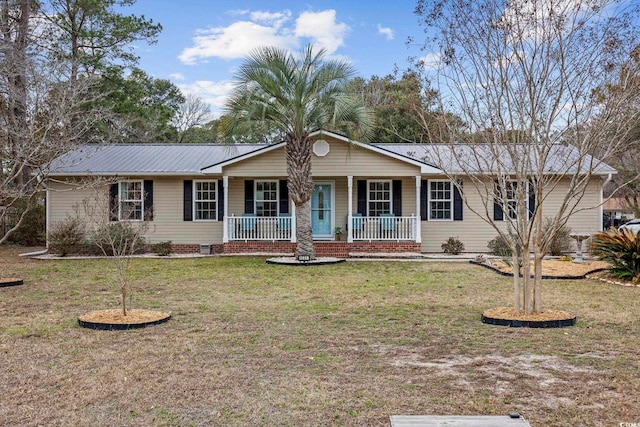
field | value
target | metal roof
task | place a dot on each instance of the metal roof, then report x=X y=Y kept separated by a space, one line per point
x=146 y=159
x=184 y=159
x=482 y=158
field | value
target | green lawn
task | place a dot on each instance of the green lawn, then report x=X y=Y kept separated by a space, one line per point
x=350 y=344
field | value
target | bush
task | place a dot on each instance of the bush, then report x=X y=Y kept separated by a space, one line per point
x=621 y=249
x=116 y=239
x=66 y=236
x=453 y=246
x=162 y=248
x=32 y=230
x=498 y=246
x=561 y=242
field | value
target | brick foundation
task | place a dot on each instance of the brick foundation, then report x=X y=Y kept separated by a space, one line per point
x=323 y=248
x=178 y=248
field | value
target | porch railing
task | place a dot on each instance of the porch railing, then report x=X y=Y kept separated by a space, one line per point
x=384 y=227
x=260 y=228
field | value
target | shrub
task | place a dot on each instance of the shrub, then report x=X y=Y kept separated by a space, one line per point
x=498 y=246
x=32 y=230
x=453 y=246
x=162 y=248
x=66 y=236
x=621 y=249
x=561 y=242
x=116 y=239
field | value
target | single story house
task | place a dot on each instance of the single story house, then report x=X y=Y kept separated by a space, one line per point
x=234 y=198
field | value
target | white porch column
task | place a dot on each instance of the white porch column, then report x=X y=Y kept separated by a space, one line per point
x=418 y=214
x=350 y=209
x=294 y=238
x=225 y=218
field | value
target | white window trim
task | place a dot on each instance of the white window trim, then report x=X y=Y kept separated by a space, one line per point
x=505 y=215
x=390 y=193
x=195 y=200
x=255 y=196
x=120 y=199
x=429 y=200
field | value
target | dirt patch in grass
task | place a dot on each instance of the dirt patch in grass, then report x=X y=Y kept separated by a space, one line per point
x=351 y=344
x=554 y=267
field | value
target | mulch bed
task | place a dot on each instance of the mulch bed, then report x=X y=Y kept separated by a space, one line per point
x=507 y=316
x=552 y=269
x=113 y=319
x=10 y=281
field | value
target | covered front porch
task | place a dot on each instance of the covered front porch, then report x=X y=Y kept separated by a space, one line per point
x=345 y=209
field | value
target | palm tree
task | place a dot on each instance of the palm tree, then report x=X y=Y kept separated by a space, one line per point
x=293 y=96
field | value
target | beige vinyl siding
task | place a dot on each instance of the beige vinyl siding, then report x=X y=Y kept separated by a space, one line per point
x=475 y=233
x=340 y=161
x=168 y=202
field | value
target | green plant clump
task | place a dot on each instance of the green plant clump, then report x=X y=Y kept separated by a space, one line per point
x=561 y=242
x=453 y=246
x=162 y=248
x=621 y=249
x=498 y=246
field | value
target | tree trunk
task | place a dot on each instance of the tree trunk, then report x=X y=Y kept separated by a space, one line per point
x=303 y=230
x=517 y=294
x=300 y=183
x=538 y=255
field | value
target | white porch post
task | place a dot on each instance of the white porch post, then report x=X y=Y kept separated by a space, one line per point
x=294 y=238
x=225 y=218
x=418 y=214
x=350 y=209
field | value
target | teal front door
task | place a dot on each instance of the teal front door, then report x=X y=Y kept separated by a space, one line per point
x=322 y=214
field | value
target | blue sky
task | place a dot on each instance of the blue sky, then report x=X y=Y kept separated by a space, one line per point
x=203 y=41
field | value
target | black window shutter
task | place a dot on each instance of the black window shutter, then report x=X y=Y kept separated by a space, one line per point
x=113 y=202
x=457 y=203
x=424 y=200
x=498 y=215
x=532 y=199
x=220 y=195
x=148 y=199
x=248 y=196
x=396 y=186
x=362 y=197
x=284 y=196
x=188 y=200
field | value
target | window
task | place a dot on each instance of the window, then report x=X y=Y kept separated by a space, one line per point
x=379 y=198
x=440 y=200
x=266 y=198
x=205 y=200
x=131 y=201
x=511 y=198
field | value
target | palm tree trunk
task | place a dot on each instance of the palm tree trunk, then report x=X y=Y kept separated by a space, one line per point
x=300 y=183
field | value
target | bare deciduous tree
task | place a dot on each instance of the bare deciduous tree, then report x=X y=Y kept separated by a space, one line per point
x=523 y=76
x=42 y=115
x=192 y=113
x=118 y=240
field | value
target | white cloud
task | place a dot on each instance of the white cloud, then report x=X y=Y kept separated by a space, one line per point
x=385 y=31
x=213 y=93
x=234 y=41
x=277 y=18
x=431 y=61
x=322 y=28
x=176 y=76
x=262 y=28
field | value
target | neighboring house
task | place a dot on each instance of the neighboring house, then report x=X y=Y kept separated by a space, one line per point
x=385 y=197
x=616 y=211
